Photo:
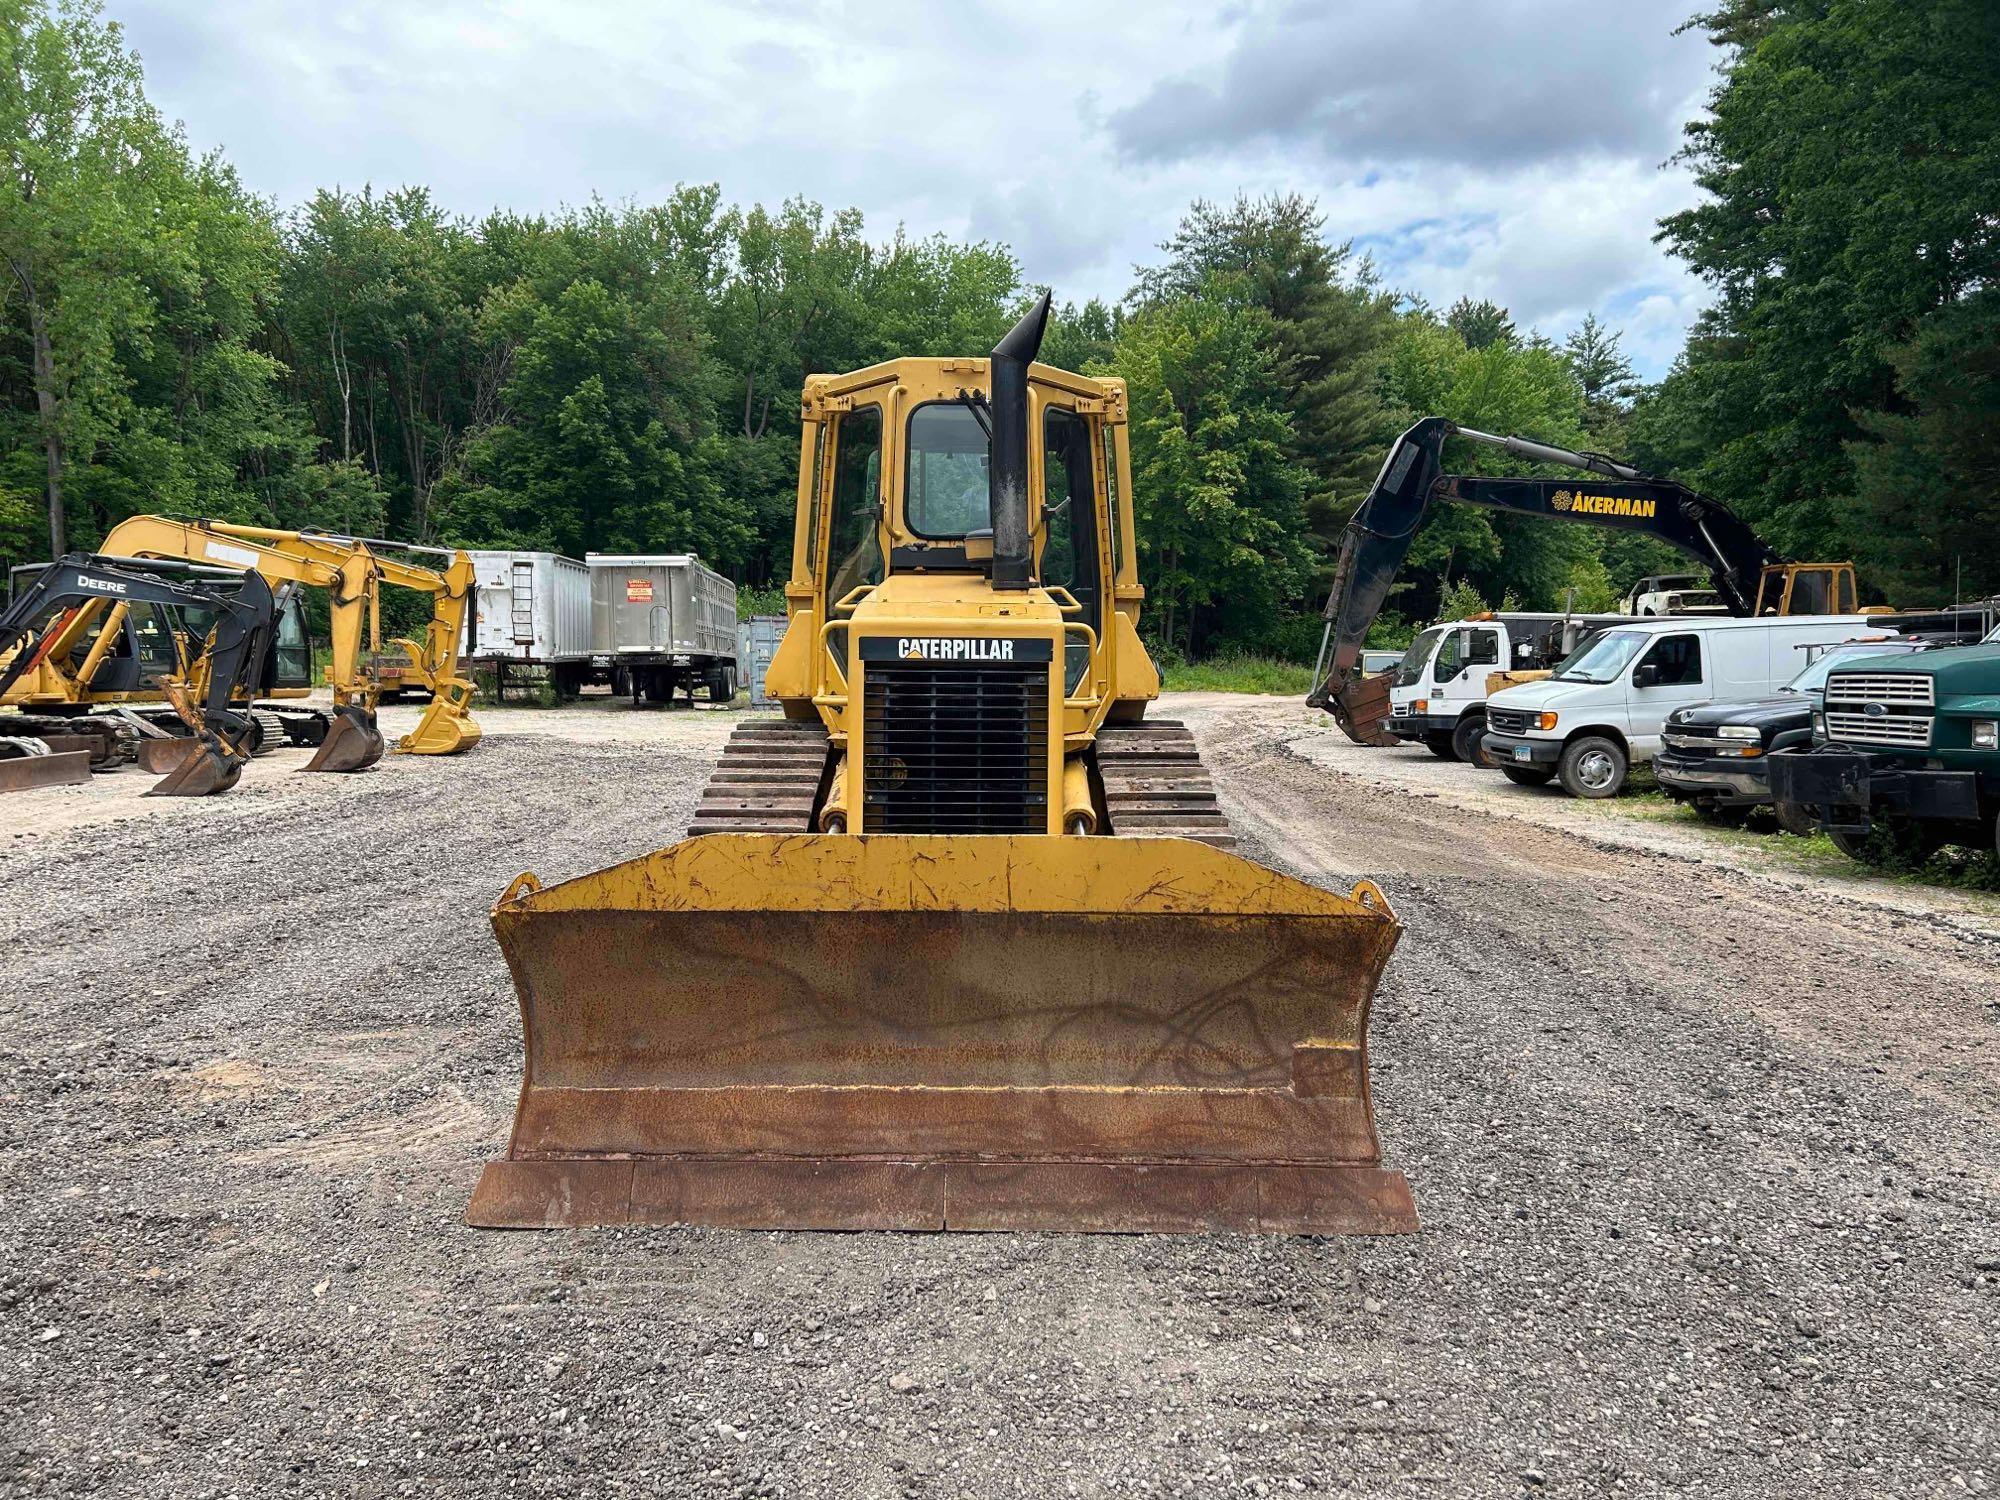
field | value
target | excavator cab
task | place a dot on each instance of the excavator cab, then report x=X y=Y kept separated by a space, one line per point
x=957 y=943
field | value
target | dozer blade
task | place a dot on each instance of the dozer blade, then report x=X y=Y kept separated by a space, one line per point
x=1361 y=709
x=766 y=1031
x=208 y=767
x=352 y=743
x=447 y=727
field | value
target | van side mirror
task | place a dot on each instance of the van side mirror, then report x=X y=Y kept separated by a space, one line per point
x=1646 y=675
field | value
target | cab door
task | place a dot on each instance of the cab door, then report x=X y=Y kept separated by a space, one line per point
x=1670 y=673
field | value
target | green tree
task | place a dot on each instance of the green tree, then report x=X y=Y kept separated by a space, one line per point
x=1848 y=159
x=1605 y=374
x=1329 y=326
x=1482 y=325
x=1220 y=500
x=85 y=151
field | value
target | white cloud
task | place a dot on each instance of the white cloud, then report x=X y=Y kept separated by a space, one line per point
x=1509 y=149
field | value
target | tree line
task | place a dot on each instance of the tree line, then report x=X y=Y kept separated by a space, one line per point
x=625 y=377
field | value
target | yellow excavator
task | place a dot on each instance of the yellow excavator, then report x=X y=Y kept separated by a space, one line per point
x=352 y=572
x=959 y=942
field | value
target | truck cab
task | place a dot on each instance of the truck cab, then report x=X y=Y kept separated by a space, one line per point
x=1437 y=697
x=1905 y=746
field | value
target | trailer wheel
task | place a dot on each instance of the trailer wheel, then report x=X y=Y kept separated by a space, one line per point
x=1592 y=766
x=722 y=685
x=1440 y=746
x=1465 y=738
x=1527 y=775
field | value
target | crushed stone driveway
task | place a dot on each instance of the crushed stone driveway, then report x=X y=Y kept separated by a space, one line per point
x=1708 y=1163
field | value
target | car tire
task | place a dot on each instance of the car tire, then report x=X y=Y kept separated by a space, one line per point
x=1527 y=775
x=1465 y=738
x=1440 y=745
x=1796 y=818
x=1889 y=845
x=1592 y=767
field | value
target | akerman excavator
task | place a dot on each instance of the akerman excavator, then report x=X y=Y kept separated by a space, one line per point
x=34 y=622
x=959 y=942
x=1750 y=577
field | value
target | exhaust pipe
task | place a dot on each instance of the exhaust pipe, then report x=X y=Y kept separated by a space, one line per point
x=1007 y=469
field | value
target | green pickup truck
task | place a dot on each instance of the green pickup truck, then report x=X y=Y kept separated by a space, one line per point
x=1908 y=745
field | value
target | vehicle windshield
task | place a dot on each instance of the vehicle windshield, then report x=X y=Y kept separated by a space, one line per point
x=1813 y=678
x=1602 y=659
x=1411 y=668
x=946 y=494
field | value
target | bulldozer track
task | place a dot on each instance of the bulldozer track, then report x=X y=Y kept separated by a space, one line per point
x=767 y=780
x=1155 y=785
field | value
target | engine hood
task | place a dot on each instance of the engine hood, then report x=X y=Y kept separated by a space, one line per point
x=1788 y=711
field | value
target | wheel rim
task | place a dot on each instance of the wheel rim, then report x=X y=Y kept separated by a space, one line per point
x=1595 y=770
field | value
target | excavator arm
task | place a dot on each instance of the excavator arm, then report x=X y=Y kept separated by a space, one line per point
x=1377 y=539
x=447 y=726
x=236 y=642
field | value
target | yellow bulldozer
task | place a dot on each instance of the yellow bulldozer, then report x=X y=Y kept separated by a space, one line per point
x=959 y=942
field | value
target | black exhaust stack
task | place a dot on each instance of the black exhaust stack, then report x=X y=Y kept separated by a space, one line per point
x=1007 y=469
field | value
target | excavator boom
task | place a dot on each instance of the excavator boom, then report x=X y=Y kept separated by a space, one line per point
x=1378 y=537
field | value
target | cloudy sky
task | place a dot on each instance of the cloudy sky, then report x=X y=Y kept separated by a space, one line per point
x=1512 y=149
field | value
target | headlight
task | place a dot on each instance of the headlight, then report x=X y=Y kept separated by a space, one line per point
x=1986 y=734
x=1738 y=732
x=1545 y=720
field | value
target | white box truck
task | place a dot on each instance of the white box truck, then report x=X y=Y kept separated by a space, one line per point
x=1437 y=697
x=1603 y=710
x=663 y=622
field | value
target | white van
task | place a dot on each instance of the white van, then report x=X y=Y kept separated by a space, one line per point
x=1438 y=696
x=1603 y=710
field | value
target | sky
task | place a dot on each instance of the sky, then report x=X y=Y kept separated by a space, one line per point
x=1512 y=149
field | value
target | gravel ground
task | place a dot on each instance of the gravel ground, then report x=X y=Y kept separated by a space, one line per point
x=1709 y=1168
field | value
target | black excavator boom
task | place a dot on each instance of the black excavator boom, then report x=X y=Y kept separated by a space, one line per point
x=242 y=626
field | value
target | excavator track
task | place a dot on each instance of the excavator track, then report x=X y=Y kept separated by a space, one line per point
x=1156 y=786
x=768 y=780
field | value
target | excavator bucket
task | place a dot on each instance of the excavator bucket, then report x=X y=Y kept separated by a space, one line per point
x=771 y=1031
x=208 y=766
x=352 y=743
x=447 y=727
x=1361 y=709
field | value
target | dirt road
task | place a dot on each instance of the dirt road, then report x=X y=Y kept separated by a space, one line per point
x=1709 y=1169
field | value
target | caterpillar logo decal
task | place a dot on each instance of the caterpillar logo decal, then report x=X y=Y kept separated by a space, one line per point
x=973 y=650
x=954 y=648
x=1603 y=505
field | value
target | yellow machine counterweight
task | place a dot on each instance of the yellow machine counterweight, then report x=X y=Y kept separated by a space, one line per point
x=958 y=943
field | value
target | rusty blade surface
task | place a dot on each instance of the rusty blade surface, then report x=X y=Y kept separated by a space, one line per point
x=946 y=1033
x=25 y=773
x=352 y=743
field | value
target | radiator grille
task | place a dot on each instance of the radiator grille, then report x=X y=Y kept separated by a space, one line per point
x=1909 y=688
x=1897 y=700
x=955 y=748
x=1507 y=720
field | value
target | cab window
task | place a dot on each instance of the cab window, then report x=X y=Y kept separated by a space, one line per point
x=944 y=486
x=857 y=487
x=1676 y=660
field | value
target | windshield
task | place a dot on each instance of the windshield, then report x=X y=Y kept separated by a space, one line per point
x=1602 y=659
x=946 y=495
x=1411 y=668
x=1813 y=678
